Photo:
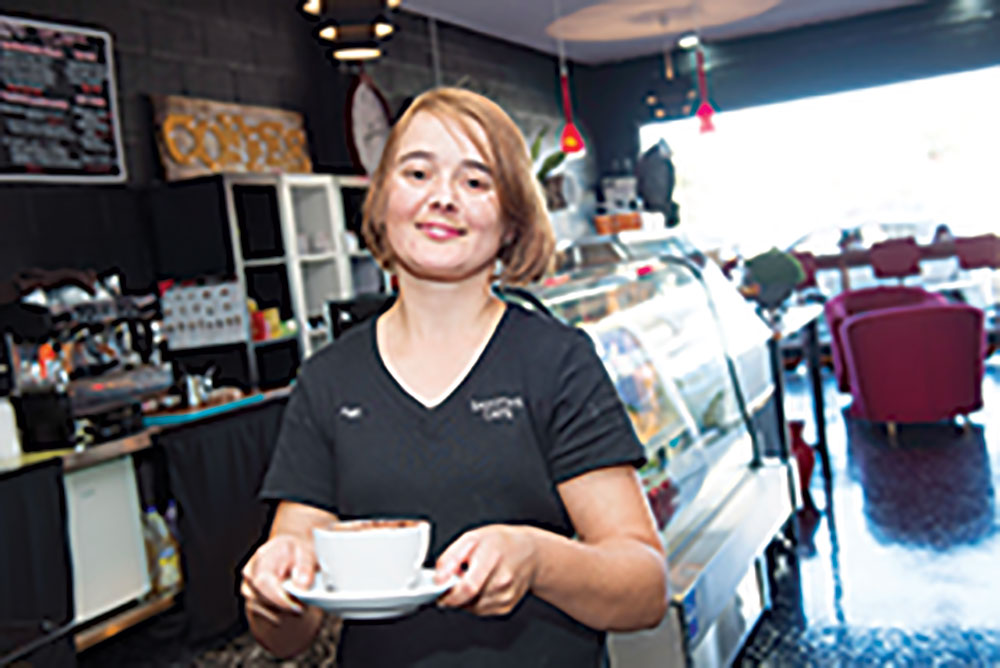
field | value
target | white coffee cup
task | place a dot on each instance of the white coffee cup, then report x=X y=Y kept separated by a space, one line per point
x=372 y=554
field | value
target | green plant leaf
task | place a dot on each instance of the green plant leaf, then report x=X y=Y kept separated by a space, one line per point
x=775 y=267
x=536 y=146
x=551 y=162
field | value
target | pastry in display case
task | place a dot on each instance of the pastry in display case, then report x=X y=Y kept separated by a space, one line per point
x=637 y=381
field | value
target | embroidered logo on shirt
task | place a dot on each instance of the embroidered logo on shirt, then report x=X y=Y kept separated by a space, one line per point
x=350 y=412
x=497 y=408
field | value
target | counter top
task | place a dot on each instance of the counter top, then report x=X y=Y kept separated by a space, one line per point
x=78 y=458
x=794 y=318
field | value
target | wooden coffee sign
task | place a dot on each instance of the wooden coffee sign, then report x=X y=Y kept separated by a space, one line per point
x=198 y=137
x=58 y=111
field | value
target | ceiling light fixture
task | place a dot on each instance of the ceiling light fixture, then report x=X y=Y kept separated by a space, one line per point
x=688 y=41
x=353 y=30
x=357 y=53
x=650 y=99
x=705 y=109
x=571 y=141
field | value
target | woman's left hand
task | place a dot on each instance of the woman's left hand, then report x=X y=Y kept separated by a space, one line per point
x=496 y=566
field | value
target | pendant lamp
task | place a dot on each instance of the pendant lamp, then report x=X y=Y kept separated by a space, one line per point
x=705 y=108
x=353 y=31
x=571 y=140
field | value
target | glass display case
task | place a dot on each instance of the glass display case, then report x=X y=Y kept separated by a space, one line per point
x=688 y=356
x=666 y=332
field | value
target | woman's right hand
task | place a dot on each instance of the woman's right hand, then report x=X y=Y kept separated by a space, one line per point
x=283 y=556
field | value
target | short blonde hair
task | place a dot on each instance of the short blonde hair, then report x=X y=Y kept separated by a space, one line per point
x=526 y=252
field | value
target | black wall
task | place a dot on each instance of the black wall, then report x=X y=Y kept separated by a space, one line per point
x=934 y=37
x=524 y=82
x=245 y=51
x=249 y=51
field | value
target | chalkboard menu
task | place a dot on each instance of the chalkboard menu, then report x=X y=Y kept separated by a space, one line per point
x=58 y=112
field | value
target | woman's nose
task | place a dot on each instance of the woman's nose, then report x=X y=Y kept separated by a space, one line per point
x=442 y=204
x=443 y=199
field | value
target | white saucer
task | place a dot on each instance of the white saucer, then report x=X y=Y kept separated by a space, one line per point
x=384 y=604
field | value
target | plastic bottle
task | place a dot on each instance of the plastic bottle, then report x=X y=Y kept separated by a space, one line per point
x=166 y=572
x=171 y=517
x=152 y=546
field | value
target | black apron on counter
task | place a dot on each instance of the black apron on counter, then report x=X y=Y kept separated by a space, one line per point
x=215 y=469
x=36 y=581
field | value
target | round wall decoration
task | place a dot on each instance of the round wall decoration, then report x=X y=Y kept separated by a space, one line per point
x=368 y=123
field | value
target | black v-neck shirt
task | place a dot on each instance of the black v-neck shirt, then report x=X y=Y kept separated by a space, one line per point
x=537 y=408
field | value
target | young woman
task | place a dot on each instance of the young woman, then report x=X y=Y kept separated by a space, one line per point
x=498 y=425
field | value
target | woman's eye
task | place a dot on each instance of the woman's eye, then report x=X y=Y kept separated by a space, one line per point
x=477 y=184
x=417 y=174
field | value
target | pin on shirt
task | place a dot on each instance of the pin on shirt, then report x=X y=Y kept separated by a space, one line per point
x=351 y=413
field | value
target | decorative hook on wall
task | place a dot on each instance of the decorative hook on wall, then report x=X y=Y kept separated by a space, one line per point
x=435 y=51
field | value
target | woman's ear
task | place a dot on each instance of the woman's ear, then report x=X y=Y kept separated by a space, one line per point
x=505 y=245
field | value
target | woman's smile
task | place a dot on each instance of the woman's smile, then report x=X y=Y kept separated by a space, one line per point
x=439 y=231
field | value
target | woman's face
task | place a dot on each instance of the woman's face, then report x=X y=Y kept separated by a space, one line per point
x=442 y=212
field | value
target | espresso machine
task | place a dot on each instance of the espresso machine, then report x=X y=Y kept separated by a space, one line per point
x=81 y=359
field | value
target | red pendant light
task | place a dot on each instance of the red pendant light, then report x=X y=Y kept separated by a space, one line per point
x=571 y=140
x=705 y=108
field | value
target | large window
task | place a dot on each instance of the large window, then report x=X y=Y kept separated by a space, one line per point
x=919 y=153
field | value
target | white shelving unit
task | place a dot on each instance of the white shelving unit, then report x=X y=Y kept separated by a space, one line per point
x=312 y=218
x=314 y=254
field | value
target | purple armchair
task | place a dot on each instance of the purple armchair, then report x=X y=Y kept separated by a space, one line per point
x=809 y=268
x=978 y=252
x=920 y=363
x=853 y=302
x=895 y=258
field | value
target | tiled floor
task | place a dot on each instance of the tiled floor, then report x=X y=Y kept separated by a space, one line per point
x=901 y=566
